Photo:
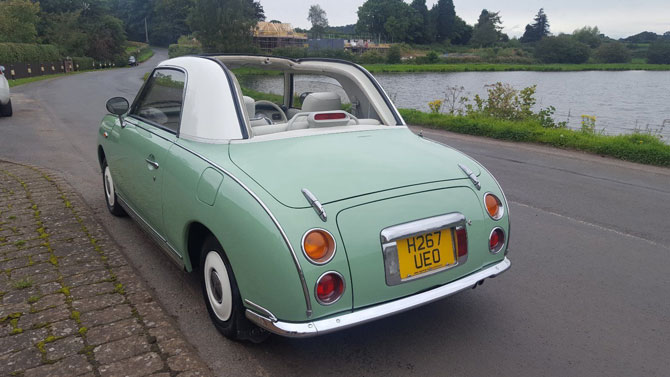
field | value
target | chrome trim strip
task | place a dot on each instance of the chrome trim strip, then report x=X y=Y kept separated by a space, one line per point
x=344 y=321
x=314 y=202
x=390 y=235
x=344 y=287
x=302 y=246
x=471 y=175
x=301 y=275
x=162 y=242
x=261 y=310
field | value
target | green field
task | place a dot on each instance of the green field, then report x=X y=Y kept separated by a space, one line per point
x=486 y=67
x=637 y=147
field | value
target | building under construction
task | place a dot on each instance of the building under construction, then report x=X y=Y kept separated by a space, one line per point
x=268 y=36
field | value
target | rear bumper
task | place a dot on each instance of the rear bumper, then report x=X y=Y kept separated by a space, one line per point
x=328 y=325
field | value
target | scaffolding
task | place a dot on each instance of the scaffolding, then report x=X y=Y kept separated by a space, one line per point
x=269 y=35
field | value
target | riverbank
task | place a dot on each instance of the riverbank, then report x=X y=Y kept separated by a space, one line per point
x=486 y=67
x=636 y=147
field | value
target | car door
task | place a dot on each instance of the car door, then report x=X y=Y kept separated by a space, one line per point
x=148 y=133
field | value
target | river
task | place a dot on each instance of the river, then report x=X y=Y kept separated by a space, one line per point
x=621 y=101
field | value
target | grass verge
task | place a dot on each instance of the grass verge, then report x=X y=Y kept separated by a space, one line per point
x=483 y=67
x=637 y=147
x=27 y=80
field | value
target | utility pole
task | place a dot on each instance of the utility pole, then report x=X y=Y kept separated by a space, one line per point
x=146 y=30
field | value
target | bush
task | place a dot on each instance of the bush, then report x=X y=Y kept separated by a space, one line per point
x=561 y=49
x=27 y=53
x=176 y=50
x=393 y=56
x=659 y=53
x=371 y=57
x=614 y=52
x=84 y=63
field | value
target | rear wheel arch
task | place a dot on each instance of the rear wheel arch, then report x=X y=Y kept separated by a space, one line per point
x=197 y=233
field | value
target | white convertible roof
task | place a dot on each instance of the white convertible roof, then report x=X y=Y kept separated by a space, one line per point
x=212 y=110
x=209 y=113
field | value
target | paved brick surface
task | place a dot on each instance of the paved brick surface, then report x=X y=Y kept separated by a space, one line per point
x=70 y=303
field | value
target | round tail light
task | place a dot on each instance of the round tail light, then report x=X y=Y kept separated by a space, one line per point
x=496 y=240
x=329 y=288
x=318 y=246
x=494 y=206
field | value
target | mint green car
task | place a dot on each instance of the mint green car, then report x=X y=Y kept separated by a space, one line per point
x=306 y=210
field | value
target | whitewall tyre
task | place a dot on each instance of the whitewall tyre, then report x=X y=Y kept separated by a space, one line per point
x=222 y=296
x=111 y=199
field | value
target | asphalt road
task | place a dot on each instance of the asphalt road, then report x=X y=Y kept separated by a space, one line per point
x=588 y=292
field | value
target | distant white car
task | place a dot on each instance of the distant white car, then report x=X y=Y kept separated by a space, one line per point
x=5 y=101
x=132 y=61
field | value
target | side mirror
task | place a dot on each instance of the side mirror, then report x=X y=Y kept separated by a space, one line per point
x=118 y=106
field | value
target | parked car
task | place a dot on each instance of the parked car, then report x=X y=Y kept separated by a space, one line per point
x=310 y=209
x=5 y=100
x=132 y=61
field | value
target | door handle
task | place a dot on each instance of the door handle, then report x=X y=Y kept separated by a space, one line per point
x=154 y=164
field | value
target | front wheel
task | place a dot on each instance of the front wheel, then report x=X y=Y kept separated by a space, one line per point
x=6 y=110
x=111 y=199
x=222 y=296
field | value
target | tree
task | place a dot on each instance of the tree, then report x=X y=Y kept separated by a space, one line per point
x=462 y=32
x=389 y=18
x=659 y=53
x=223 y=25
x=394 y=56
x=425 y=32
x=18 y=21
x=63 y=30
x=317 y=16
x=562 y=49
x=259 y=12
x=588 y=35
x=487 y=31
x=537 y=30
x=445 y=19
x=105 y=36
x=169 y=21
x=614 y=52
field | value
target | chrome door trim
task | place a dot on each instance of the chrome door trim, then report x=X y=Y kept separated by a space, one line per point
x=358 y=317
x=160 y=240
x=390 y=235
x=296 y=261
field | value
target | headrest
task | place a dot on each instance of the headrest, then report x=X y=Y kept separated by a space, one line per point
x=322 y=101
x=250 y=106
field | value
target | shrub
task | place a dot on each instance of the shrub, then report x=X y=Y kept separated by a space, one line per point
x=659 y=53
x=393 y=56
x=371 y=57
x=290 y=52
x=176 y=50
x=615 y=52
x=84 y=63
x=561 y=49
x=27 y=53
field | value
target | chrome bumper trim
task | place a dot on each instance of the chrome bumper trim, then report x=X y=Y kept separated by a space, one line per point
x=328 y=325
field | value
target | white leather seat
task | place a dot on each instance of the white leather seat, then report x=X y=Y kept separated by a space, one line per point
x=322 y=101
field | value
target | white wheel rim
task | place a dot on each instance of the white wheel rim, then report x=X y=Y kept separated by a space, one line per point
x=217 y=283
x=109 y=187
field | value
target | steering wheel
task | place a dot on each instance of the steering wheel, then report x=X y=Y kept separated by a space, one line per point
x=274 y=106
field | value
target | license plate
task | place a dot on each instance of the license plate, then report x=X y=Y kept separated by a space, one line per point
x=425 y=252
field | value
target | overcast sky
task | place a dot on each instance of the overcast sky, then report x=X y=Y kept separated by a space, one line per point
x=615 y=18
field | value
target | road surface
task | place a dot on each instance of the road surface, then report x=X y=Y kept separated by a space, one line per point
x=588 y=292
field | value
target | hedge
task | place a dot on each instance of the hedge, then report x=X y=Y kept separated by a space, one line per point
x=85 y=63
x=27 y=53
x=176 y=50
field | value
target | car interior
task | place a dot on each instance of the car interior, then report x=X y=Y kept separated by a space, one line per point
x=318 y=101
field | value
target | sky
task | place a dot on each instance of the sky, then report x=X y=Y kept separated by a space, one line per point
x=615 y=18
